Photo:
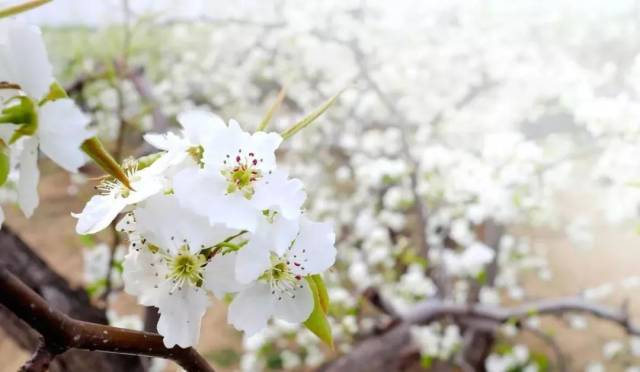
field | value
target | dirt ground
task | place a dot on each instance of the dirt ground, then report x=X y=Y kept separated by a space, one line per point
x=613 y=257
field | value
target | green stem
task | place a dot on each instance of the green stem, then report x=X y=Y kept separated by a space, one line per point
x=20 y=8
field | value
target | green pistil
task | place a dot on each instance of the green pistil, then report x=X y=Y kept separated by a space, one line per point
x=241 y=172
x=278 y=272
x=186 y=267
x=241 y=178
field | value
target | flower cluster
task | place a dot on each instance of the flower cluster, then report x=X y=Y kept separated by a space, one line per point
x=35 y=113
x=213 y=213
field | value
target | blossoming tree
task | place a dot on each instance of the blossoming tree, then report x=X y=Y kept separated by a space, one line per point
x=433 y=167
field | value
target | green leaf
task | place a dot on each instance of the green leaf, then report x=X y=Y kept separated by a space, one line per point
x=56 y=91
x=225 y=358
x=96 y=287
x=5 y=163
x=274 y=107
x=118 y=265
x=426 y=361
x=481 y=278
x=542 y=361
x=24 y=114
x=295 y=128
x=317 y=321
x=87 y=240
x=322 y=292
x=147 y=160
x=20 y=8
x=93 y=147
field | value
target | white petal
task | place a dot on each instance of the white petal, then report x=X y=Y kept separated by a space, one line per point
x=278 y=234
x=295 y=307
x=164 y=141
x=204 y=193
x=29 y=176
x=220 y=276
x=227 y=141
x=253 y=260
x=283 y=232
x=98 y=213
x=168 y=225
x=145 y=184
x=200 y=125
x=180 y=316
x=31 y=67
x=315 y=244
x=62 y=130
x=143 y=276
x=126 y=224
x=251 y=309
x=276 y=192
x=265 y=145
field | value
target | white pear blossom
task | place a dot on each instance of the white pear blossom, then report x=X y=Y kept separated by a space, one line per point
x=166 y=268
x=114 y=197
x=198 y=126
x=237 y=165
x=282 y=291
x=471 y=261
x=61 y=126
x=281 y=201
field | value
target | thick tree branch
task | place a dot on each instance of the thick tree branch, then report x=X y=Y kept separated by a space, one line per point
x=22 y=261
x=61 y=332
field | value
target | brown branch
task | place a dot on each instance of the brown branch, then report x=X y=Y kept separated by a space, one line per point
x=40 y=360
x=21 y=260
x=379 y=353
x=61 y=332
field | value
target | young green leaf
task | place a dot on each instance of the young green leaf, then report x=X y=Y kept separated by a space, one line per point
x=56 y=91
x=93 y=147
x=295 y=128
x=317 y=321
x=322 y=292
x=5 y=164
x=147 y=160
x=274 y=107
x=24 y=114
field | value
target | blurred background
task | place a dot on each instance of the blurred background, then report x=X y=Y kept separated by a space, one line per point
x=482 y=152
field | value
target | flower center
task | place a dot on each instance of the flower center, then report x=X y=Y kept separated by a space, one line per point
x=241 y=173
x=282 y=280
x=196 y=153
x=186 y=268
x=112 y=186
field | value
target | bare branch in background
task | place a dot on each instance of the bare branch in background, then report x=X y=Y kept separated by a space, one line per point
x=380 y=353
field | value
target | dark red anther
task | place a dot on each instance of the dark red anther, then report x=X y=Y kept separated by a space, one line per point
x=255 y=162
x=238 y=158
x=298 y=277
x=250 y=154
x=296 y=263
